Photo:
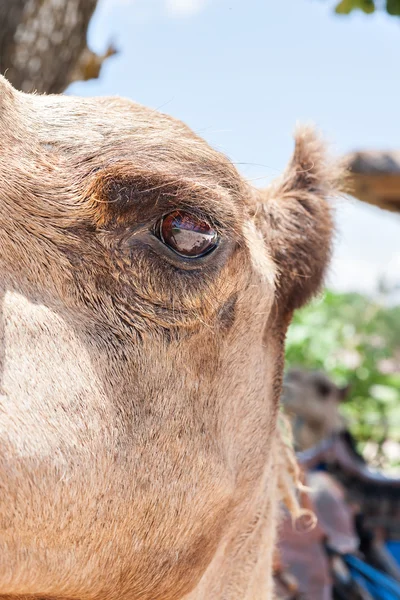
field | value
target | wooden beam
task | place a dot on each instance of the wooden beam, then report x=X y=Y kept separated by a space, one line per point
x=375 y=178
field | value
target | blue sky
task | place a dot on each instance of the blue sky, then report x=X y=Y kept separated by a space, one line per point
x=241 y=73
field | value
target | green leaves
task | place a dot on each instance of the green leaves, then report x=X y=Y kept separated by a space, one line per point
x=384 y=393
x=393 y=7
x=355 y=340
x=346 y=6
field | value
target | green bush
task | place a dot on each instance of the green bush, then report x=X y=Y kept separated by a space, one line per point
x=355 y=340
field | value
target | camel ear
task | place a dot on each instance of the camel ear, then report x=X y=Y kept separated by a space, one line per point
x=296 y=219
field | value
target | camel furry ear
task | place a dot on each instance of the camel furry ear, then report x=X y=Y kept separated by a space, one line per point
x=296 y=219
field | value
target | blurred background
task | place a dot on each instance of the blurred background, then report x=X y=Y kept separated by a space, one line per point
x=242 y=74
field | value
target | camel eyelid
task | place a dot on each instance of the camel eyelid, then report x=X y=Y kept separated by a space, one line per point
x=135 y=198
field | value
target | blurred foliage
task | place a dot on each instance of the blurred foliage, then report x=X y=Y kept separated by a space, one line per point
x=355 y=340
x=392 y=7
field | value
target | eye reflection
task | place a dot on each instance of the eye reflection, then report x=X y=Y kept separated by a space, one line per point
x=187 y=235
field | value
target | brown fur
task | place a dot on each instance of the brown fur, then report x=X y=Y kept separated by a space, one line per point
x=139 y=449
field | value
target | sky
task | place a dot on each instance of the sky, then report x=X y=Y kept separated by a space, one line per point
x=242 y=73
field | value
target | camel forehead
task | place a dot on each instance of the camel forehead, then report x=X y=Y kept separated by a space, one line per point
x=107 y=115
x=121 y=127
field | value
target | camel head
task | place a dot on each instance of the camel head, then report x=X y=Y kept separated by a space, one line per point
x=313 y=401
x=147 y=289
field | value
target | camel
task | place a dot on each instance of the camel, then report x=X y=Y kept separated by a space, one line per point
x=312 y=400
x=147 y=289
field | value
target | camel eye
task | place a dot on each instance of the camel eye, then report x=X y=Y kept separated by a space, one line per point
x=187 y=235
x=323 y=389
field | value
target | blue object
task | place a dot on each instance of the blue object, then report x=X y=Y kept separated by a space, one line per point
x=320 y=467
x=379 y=585
x=394 y=549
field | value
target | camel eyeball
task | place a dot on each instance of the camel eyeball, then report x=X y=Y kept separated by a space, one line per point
x=187 y=235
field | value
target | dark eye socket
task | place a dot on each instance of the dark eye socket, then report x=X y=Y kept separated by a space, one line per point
x=187 y=234
x=323 y=389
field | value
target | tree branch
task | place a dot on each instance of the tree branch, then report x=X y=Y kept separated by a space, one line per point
x=43 y=43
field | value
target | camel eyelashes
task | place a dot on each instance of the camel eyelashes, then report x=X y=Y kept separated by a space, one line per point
x=186 y=234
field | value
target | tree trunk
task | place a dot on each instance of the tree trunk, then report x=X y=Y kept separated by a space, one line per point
x=43 y=43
